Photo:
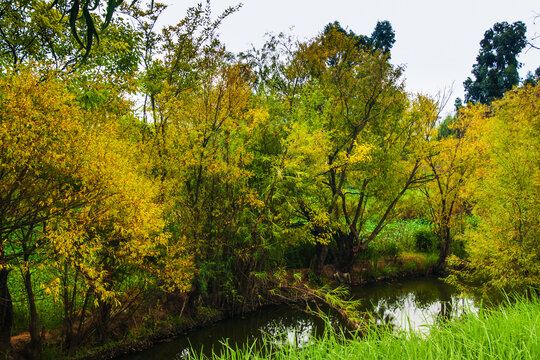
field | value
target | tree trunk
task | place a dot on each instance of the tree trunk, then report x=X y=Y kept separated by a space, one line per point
x=345 y=254
x=67 y=326
x=6 y=312
x=103 y=329
x=445 y=243
x=35 y=336
x=321 y=251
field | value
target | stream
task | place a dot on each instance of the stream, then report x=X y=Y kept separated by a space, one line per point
x=409 y=304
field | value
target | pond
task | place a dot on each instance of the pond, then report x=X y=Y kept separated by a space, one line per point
x=404 y=305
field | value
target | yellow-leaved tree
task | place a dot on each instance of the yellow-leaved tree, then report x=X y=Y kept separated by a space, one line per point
x=75 y=197
x=202 y=131
x=452 y=162
x=504 y=247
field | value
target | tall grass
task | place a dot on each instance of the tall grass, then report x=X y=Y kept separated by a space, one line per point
x=506 y=332
x=396 y=237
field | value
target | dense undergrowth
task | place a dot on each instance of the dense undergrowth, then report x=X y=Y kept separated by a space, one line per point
x=405 y=246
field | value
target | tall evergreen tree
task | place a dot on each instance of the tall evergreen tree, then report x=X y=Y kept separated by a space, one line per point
x=383 y=36
x=496 y=68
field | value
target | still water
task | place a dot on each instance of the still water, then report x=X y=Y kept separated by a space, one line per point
x=411 y=304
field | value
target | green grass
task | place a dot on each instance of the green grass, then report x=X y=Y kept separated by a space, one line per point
x=396 y=237
x=506 y=332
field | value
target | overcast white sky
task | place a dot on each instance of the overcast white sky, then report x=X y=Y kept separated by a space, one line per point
x=437 y=41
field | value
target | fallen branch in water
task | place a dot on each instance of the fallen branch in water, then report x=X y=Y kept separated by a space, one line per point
x=295 y=290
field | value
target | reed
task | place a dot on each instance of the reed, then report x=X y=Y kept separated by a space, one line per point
x=509 y=331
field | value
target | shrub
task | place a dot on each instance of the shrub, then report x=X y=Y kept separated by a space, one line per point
x=382 y=248
x=426 y=241
x=298 y=256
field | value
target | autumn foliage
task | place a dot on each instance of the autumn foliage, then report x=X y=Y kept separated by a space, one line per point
x=165 y=170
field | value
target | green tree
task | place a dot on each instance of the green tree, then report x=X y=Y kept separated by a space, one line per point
x=496 y=68
x=35 y=31
x=382 y=38
x=353 y=145
x=82 y=19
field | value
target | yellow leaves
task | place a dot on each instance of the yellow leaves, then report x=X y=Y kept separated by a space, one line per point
x=504 y=246
x=359 y=155
x=320 y=228
x=258 y=116
x=52 y=289
x=75 y=169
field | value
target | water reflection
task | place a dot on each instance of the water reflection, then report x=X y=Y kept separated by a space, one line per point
x=406 y=305
x=413 y=304
x=282 y=323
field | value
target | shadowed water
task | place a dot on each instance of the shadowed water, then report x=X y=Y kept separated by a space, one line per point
x=404 y=305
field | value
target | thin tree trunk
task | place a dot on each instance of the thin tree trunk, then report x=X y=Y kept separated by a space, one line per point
x=67 y=328
x=6 y=312
x=104 y=322
x=445 y=242
x=35 y=336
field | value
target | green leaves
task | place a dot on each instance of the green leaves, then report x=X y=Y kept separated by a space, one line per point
x=80 y=16
x=496 y=68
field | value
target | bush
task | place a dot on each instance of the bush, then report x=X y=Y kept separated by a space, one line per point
x=426 y=241
x=395 y=238
x=298 y=256
x=458 y=248
x=389 y=248
x=382 y=248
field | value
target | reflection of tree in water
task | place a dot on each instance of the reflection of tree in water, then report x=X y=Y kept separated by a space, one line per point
x=295 y=328
x=411 y=305
x=445 y=296
x=280 y=332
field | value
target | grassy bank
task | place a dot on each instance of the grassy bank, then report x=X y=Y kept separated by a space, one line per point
x=506 y=332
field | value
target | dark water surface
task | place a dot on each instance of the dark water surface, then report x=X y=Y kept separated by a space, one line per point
x=406 y=304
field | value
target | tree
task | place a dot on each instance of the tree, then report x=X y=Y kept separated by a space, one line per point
x=81 y=19
x=455 y=156
x=532 y=79
x=35 y=31
x=75 y=197
x=38 y=155
x=382 y=38
x=496 y=68
x=356 y=143
x=504 y=248
x=201 y=136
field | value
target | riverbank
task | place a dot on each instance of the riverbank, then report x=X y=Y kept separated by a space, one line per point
x=391 y=302
x=509 y=331
x=159 y=326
